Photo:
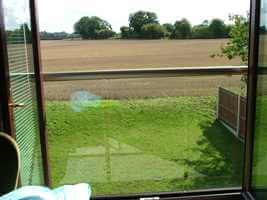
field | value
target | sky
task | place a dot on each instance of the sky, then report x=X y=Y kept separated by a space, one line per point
x=60 y=15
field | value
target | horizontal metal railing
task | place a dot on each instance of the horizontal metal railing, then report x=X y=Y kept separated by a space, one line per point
x=145 y=73
x=138 y=73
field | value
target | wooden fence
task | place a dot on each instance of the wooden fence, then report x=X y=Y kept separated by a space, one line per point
x=231 y=110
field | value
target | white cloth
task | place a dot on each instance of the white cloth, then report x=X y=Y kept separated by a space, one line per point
x=67 y=192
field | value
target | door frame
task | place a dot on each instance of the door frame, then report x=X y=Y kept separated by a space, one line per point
x=255 y=9
x=39 y=80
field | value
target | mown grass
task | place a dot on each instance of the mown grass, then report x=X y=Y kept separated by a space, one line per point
x=148 y=145
x=260 y=148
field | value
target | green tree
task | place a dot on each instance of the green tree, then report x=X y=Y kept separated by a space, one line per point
x=91 y=27
x=13 y=35
x=169 y=29
x=239 y=37
x=218 y=29
x=139 y=19
x=55 y=35
x=201 y=31
x=153 y=31
x=105 y=33
x=182 y=29
x=238 y=46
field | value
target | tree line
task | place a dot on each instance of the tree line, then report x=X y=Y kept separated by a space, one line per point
x=16 y=36
x=146 y=25
x=58 y=35
x=20 y=35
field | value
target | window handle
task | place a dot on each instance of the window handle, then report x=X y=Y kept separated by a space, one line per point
x=17 y=105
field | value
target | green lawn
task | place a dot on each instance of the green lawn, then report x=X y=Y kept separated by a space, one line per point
x=259 y=178
x=149 y=145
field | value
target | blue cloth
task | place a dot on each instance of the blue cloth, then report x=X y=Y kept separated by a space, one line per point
x=67 y=192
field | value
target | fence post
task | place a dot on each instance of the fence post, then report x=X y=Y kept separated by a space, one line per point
x=218 y=103
x=238 y=116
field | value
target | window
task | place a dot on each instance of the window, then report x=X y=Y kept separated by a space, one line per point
x=124 y=115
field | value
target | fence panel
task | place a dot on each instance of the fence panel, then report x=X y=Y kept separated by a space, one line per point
x=242 y=117
x=228 y=108
x=232 y=111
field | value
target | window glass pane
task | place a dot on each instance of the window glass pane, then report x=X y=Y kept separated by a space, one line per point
x=149 y=133
x=259 y=181
x=23 y=90
x=145 y=135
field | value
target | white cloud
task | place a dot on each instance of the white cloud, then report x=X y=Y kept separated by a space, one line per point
x=60 y=15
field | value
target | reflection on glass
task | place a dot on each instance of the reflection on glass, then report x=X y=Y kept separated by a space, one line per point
x=259 y=179
x=20 y=60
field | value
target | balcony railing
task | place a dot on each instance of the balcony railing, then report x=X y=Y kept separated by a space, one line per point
x=145 y=73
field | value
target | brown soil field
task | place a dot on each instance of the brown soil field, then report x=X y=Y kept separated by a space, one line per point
x=124 y=54
x=144 y=87
x=127 y=54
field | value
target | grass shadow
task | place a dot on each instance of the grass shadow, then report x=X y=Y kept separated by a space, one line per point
x=218 y=160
